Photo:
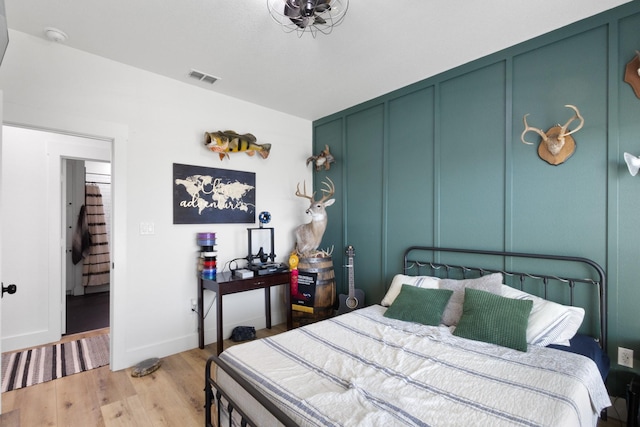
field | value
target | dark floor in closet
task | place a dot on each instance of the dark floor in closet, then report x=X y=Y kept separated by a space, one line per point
x=87 y=312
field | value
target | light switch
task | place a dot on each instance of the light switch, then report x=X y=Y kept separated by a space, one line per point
x=147 y=228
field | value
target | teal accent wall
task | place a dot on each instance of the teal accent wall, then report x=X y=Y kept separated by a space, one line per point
x=440 y=162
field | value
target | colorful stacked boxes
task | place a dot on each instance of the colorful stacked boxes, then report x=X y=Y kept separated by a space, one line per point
x=207 y=263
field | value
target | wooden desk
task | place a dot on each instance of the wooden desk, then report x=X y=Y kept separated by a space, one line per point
x=226 y=284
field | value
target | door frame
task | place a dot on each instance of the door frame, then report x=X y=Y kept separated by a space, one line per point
x=55 y=122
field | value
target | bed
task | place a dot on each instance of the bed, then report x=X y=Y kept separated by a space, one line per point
x=461 y=336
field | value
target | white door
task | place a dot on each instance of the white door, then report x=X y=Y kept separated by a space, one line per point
x=32 y=226
x=1 y=103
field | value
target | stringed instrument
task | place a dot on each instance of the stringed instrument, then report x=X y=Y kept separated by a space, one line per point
x=355 y=299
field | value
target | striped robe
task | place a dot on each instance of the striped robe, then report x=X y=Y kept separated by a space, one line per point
x=97 y=265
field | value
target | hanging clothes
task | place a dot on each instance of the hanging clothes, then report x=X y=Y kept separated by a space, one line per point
x=97 y=265
x=81 y=243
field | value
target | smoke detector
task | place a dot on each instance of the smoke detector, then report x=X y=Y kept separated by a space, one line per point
x=55 y=35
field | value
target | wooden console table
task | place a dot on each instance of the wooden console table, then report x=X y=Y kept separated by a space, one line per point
x=226 y=284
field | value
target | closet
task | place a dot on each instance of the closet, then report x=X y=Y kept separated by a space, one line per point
x=87 y=202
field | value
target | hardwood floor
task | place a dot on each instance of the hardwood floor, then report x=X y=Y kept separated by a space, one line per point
x=171 y=396
x=611 y=422
x=87 y=312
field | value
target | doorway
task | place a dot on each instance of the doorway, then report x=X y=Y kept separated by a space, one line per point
x=33 y=226
x=87 y=184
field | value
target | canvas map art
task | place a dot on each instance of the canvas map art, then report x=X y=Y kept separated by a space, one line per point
x=204 y=195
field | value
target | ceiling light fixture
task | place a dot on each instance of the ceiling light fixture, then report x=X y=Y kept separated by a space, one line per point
x=308 y=15
x=55 y=35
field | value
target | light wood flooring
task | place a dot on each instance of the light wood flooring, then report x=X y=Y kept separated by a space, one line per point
x=172 y=396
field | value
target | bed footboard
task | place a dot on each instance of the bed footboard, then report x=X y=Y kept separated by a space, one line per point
x=228 y=407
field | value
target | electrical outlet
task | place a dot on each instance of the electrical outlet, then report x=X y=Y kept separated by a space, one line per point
x=194 y=306
x=625 y=357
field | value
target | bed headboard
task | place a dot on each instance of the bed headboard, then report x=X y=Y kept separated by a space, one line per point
x=548 y=276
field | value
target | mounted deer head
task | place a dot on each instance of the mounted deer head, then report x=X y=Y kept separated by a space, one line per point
x=309 y=236
x=557 y=145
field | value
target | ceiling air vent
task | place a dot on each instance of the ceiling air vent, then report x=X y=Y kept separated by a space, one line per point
x=203 y=77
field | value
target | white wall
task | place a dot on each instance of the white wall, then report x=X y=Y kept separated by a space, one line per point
x=159 y=121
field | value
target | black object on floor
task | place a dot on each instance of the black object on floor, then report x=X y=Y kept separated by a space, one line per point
x=243 y=333
x=87 y=312
x=633 y=401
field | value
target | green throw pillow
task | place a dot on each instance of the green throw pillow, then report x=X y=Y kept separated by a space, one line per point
x=494 y=319
x=419 y=305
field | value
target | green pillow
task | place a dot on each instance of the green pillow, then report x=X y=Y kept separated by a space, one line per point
x=494 y=319
x=420 y=305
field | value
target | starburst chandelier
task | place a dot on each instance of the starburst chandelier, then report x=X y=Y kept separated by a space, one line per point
x=308 y=15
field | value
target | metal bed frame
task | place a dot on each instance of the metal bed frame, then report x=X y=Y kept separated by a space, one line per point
x=599 y=278
x=416 y=265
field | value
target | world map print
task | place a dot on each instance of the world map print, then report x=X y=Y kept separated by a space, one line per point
x=209 y=195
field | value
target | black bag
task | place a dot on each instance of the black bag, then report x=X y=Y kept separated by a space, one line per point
x=243 y=333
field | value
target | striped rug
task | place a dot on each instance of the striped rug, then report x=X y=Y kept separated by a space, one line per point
x=46 y=363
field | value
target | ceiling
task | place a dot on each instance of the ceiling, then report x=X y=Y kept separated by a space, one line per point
x=381 y=45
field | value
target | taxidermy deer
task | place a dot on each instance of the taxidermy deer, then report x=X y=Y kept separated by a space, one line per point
x=556 y=145
x=309 y=236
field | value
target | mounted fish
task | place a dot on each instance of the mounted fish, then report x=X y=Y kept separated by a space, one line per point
x=228 y=141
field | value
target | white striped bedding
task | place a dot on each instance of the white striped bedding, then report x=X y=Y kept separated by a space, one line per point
x=362 y=369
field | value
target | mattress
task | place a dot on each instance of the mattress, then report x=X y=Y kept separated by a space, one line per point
x=363 y=369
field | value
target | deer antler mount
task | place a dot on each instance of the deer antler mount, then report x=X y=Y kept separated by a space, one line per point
x=556 y=144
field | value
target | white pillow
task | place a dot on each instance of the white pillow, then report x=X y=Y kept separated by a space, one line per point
x=453 y=312
x=400 y=279
x=549 y=322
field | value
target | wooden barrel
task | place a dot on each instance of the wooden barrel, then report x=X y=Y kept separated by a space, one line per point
x=322 y=269
x=301 y=318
